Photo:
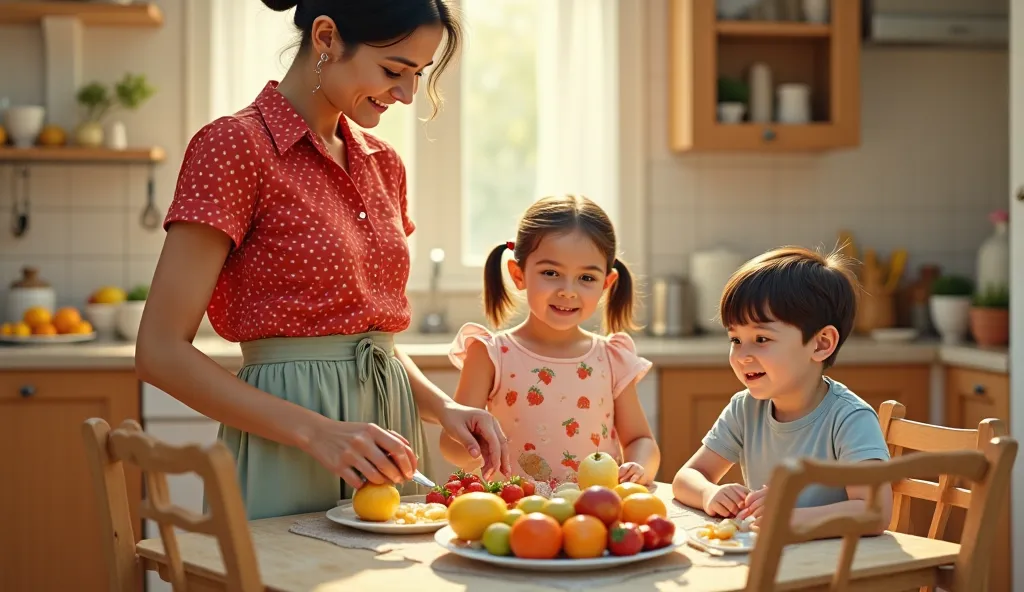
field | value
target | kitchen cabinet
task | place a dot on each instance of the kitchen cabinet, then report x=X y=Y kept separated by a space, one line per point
x=691 y=399
x=825 y=57
x=51 y=537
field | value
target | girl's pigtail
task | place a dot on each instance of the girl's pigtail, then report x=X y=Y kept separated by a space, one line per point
x=618 y=312
x=497 y=302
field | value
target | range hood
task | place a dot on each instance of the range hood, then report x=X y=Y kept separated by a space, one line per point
x=936 y=22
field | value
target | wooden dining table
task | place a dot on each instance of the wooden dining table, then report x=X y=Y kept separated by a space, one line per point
x=290 y=562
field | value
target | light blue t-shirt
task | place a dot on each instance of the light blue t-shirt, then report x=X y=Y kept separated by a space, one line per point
x=843 y=427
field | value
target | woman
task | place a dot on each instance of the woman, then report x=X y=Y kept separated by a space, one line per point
x=288 y=227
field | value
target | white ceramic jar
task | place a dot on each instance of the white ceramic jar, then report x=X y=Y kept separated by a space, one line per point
x=27 y=292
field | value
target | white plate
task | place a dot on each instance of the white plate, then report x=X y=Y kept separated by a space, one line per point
x=344 y=514
x=48 y=339
x=447 y=539
x=741 y=542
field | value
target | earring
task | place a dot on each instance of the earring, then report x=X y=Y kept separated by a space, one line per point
x=319 y=80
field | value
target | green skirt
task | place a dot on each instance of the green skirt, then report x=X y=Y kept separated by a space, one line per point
x=343 y=377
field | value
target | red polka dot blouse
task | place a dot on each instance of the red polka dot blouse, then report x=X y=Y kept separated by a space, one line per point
x=316 y=250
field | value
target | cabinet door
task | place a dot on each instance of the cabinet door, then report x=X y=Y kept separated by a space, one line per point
x=691 y=400
x=51 y=538
x=910 y=385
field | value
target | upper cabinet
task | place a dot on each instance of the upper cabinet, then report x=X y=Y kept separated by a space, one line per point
x=764 y=85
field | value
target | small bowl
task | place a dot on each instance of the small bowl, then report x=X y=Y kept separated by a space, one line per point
x=103 y=318
x=894 y=334
x=24 y=122
x=129 y=317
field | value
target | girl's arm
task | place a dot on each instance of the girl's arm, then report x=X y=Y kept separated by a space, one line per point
x=475 y=384
x=635 y=434
x=190 y=263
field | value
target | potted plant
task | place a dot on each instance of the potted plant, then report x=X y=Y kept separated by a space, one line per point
x=733 y=95
x=950 y=304
x=990 y=316
x=129 y=316
x=95 y=100
x=131 y=91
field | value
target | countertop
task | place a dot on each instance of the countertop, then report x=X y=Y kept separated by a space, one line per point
x=431 y=352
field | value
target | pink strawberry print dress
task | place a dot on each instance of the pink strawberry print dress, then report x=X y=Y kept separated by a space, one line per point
x=555 y=410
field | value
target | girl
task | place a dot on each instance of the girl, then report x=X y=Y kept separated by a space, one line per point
x=560 y=392
x=281 y=213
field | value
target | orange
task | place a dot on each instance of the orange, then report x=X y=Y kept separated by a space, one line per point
x=536 y=536
x=21 y=330
x=66 y=320
x=471 y=513
x=638 y=507
x=44 y=329
x=584 y=537
x=82 y=328
x=35 y=316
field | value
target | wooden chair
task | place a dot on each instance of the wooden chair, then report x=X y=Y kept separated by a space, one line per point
x=988 y=469
x=107 y=450
x=903 y=435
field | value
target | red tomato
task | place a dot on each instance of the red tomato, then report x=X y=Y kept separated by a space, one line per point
x=659 y=532
x=624 y=538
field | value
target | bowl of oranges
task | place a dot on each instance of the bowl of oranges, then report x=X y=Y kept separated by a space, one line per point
x=39 y=325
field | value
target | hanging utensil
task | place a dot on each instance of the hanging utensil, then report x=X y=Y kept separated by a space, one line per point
x=150 y=219
x=19 y=213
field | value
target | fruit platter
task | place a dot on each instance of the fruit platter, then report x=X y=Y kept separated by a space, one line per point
x=39 y=326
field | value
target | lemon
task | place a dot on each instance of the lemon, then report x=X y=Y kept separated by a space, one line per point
x=627 y=489
x=376 y=503
x=471 y=513
x=108 y=295
x=21 y=330
x=7 y=329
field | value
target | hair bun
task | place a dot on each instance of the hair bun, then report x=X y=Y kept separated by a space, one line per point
x=281 y=5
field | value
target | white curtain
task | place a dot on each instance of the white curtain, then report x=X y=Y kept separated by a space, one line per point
x=578 y=85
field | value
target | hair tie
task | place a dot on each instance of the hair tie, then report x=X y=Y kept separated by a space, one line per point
x=511 y=246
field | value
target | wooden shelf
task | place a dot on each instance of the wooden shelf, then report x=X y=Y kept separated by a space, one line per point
x=91 y=14
x=766 y=29
x=80 y=155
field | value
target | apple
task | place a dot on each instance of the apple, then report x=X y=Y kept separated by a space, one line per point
x=624 y=538
x=658 y=532
x=559 y=509
x=600 y=502
x=598 y=469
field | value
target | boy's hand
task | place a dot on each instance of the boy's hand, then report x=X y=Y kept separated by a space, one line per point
x=631 y=471
x=753 y=504
x=724 y=500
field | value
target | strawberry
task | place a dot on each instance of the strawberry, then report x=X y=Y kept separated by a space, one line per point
x=528 y=486
x=596 y=439
x=544 y=374
x=534 y=396
x=511 y=493
x=475 y=486
x=458 y=475
x=529 y=446
x=583 y=403
x=493 y=487
x=584 y=371
x=510 y=397
x=438 y=495
x=571 y=427
x=470 y=478
x=453 y=486
x=570 y=461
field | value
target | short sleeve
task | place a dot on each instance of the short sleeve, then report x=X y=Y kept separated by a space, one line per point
x=858 y=437
x=627 y=367
x=219 y=180
x=403 y=195
x=460 y=349
x=725 y=438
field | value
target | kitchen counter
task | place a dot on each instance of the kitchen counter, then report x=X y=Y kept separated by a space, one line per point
x=431 y=352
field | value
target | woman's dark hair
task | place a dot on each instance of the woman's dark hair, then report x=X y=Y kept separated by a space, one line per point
x=561 y=215
x=379 y=23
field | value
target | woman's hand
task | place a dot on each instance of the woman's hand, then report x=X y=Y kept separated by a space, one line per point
x=479 y=432
x=345 y=447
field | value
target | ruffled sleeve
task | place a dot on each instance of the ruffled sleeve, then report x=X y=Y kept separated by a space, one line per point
x=460 y=349
x=627 y=367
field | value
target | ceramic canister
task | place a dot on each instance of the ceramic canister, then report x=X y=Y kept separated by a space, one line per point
x=29 y=291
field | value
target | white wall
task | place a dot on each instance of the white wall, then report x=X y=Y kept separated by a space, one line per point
x=1016 y=207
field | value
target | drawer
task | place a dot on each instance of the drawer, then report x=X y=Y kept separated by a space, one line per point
x=973 y=395
x=70 y=384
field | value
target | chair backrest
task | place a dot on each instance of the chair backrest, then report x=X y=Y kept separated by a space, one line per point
x=903 y=434
x=225 y=520
x=988 y=469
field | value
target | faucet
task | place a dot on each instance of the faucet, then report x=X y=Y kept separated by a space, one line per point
x=434 y=321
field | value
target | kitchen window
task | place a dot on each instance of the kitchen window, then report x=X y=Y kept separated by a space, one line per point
x=532 y=107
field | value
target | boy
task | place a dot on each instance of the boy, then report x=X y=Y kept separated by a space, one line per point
x=787 y=312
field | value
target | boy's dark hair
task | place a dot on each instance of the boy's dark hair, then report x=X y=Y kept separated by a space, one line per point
x=796 y=286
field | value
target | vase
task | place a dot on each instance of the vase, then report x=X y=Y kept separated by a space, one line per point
x=951 y=317
x=89 y=134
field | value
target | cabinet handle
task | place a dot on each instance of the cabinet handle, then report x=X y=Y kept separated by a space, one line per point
x=1020 y=193
x=768 y=135
x=979 y=389
x=27 y=390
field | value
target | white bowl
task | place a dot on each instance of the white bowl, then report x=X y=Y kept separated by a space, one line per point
x=103 y=318
x=129 y=317
x=24 y=122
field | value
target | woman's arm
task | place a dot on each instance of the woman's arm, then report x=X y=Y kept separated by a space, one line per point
x=190 y=263
x=638 y=445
